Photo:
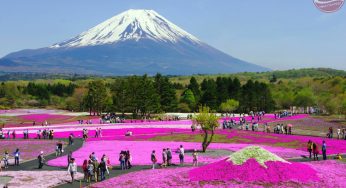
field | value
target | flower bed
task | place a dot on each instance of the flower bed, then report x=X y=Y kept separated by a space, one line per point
x=263 y=165
x=37 y=179
x=249 y=137
x=330 y=173
x=141 y=150
x=29 y=149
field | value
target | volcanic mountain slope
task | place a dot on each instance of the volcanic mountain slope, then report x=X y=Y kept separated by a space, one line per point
x=133 y=42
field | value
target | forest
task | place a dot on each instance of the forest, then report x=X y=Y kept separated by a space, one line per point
x=323 y=89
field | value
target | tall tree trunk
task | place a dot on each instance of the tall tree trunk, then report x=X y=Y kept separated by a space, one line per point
x=210 y=140
x=205 y=140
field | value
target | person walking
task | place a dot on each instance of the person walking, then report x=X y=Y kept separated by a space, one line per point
x=72 y=169
x=309 y=148
x=40 y=160
x=153 y=158
x=69 y=158
x=324 y=150
x=16 y=155
x=181 y=155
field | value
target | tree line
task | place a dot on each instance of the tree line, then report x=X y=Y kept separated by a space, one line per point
x=146 y=95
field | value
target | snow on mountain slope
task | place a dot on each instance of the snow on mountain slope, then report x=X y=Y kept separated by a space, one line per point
x=130 y=25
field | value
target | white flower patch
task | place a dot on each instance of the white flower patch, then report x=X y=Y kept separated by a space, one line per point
x=254 y=152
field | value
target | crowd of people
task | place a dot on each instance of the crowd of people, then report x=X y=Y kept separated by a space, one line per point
x=95 y=169
x=314 y=151
x=340 y=133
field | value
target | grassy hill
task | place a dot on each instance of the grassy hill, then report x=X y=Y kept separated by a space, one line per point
x=266 y=76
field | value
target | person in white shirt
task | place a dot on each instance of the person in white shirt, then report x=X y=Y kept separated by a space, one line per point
x=72 y=168
x=181 y=155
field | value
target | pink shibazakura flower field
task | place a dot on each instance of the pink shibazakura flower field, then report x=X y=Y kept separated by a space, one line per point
x=252 y=171
x=39 y=118
x=292 y=141
x=328 y=174
x=29 y=149
x=254 y=164
x=38 y=179
x=141 y=150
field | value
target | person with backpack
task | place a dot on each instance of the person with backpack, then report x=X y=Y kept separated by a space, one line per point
x=153 y=158
x=72 y=169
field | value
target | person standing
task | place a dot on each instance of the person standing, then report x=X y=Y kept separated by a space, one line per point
x=164 y=158
x=5 y=158
x=16 y=155
x=102 y=169
x=309 y=148
x=153 y=158
x=70 y=139
x=122 y=160
x=169 y=157
x=40 y=160
x=324 y=150
x=129 y=159
x=72 y=169
x=85 y=169
x=195 y=158
x=14 y=134
x=181 y=155
x=315 y=151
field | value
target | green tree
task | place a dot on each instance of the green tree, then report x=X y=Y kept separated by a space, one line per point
x=98 y=97
x=343 y=107
x=165 y=90
x=189 y=98
x=209 y=96
x=229 y=106
x=195 y=88
x=208 y=123
x=305 y=98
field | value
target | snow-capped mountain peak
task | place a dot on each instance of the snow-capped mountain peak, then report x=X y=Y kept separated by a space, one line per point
x=130 y=25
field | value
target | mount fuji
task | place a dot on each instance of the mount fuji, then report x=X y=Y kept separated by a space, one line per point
x=133 y=42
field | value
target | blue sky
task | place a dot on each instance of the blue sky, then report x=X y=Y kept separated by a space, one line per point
x=276 y=34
